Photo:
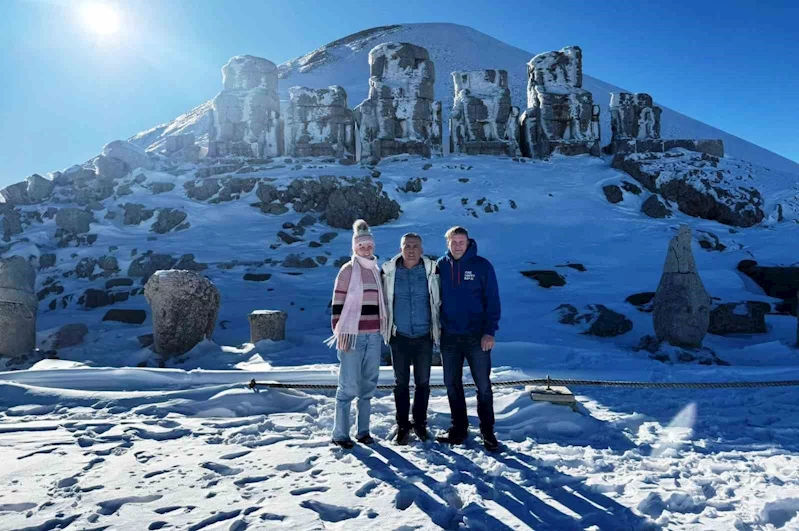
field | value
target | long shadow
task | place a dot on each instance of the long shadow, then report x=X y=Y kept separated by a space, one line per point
x=446 y=516
x=595 y=508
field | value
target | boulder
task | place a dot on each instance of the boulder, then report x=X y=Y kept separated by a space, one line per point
x=202 y=189
x=596 y=320
x=168 y=219
x=654 y=208
x=613 y=193
x=136 y=317
x=360 y=200
x=545 y=279
x=74 y=220
x=10 y=221
x=296 y=261
x=185 y=306
x=15 y=194
x=147 y=264
x=110 y=169
x=778 y=282
x=748 y=317
x=39 y=188
x=70 y=335
x=132 y=155
x=18 y=307
x=135 y=213
x=161 y=188
x=681 y=307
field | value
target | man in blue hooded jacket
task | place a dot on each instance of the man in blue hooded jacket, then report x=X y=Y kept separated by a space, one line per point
x=470 y=312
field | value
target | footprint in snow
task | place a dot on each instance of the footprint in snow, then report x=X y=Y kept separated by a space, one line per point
x=222 y=470
x=306 y=490
x=330 y=513
x=304 y=466
x=111 y=506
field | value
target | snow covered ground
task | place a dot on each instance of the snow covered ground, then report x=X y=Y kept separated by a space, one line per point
x=90 y=441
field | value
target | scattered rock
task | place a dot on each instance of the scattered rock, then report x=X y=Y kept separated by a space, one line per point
x=136 y=317
x=598 y=320
x=307 y=220
x=136 y=213
x=546 y=279
x=413 y=186
x=630 y=187
x=287 y=238
x=118 y=282
x=74 y=220
x=295 y=261
x=642 y=300
x=666 y=353
x=70 y=335
x=161 y=188
x=257 y=277
x=654 y=208
x=147 y=264
x=747 y=317
x=168 y=219
x=328 y=237
x=613 y=193
x=47 y=260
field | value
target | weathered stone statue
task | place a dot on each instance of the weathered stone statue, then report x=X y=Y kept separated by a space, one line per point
x=400 y=115
x=18 y=306
x=681 y=306
x=561 y=116
x=246 y=114
x=319 y=123
x=483 y=121
x=184 y=305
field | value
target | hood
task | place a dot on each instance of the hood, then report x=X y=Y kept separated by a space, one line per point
x=471 y=252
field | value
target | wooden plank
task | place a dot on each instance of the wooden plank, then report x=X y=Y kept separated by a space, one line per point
x=556 y=394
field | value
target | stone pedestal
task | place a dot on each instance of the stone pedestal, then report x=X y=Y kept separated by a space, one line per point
x=184 y=306
x=18 y=306
x=267 y=324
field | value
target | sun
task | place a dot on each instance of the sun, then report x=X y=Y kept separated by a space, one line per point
x=100 y=18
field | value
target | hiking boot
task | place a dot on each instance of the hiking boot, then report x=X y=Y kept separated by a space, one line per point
x=421 y=431
x=403 y=436
x=366 y=439
x=451 y=437
x=344 y=443
x=490 y=442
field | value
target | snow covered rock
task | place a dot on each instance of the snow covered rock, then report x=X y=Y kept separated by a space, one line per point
x=596 y=320
x=110 y=169
x=633 y=118
x=561 y=116
x=132 y=155
x=681 y=313
x=168 y=219
x=267 y=324
x=483 y=121
x=73 y=220
x=34 y=189
x=10 y=221
x=18 y=307
x=184 y=306
x=654 y=208
x=748 y=317
x=319 y=123
x=177 y=143
x=360 y=199
x=147 y=264
x=702 y=185
x=70 y=335
x=778 y=282
x=400 y=115
x=246 y=114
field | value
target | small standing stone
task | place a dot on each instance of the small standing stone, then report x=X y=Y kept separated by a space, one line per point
x=267 y=324
x=18 y=305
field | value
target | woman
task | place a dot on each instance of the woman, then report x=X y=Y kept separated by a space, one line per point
x=359 y=321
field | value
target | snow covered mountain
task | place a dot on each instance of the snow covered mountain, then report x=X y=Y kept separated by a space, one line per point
x=452 y=47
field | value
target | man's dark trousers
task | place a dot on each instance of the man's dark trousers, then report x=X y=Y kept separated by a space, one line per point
x=454 y=349
x=407 y=351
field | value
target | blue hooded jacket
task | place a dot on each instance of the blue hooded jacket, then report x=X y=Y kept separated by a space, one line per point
x=469 y=294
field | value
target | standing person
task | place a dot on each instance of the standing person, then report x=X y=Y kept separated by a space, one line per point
x=470 y=312
x=410 y=283
x=359 y=320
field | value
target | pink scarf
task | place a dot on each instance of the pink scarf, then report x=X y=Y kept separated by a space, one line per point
x=346 y=333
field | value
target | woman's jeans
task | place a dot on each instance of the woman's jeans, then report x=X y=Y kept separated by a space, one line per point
x=357 y=377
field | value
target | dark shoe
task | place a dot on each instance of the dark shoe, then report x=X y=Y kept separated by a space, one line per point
x=346 y=443
x=451 y=438
x=490 y=442
x=366 y=439
x=403 y=436
x=421 y=431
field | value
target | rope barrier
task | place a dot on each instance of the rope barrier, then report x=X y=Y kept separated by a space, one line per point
x=557 y=381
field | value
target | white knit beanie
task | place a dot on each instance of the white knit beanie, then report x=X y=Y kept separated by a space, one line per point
x=361 y=234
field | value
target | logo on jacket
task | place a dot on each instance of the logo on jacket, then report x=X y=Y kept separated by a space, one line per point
x=468 y=275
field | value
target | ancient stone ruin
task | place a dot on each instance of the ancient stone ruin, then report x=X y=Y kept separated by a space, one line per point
x=561 y=116
x=318 y=123
x=267 y=324
x=400 y=115
x=635 y=124
x=246 y=114
x=681 y=307
x=185 y=306
x=18 y=306
x=483 y=121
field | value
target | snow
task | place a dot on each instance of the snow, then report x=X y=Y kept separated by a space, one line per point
x=91 y=440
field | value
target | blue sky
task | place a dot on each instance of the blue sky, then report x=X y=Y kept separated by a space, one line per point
x=66 y=90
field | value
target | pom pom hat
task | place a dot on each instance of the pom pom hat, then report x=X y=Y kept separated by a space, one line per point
x=361 y=235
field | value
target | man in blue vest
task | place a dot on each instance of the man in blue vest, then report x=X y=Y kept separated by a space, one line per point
x=410 y=284
x=470 y=312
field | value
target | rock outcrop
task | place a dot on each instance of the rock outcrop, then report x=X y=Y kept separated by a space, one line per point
x=319 y=123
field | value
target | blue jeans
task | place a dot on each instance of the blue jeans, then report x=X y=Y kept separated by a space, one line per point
x=357 y=377
x=407 y=352
x=454 y=349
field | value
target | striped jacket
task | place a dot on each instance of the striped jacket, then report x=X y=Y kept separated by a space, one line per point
x=370 y=309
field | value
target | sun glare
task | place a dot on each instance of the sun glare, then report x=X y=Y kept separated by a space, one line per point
x=100 y=18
